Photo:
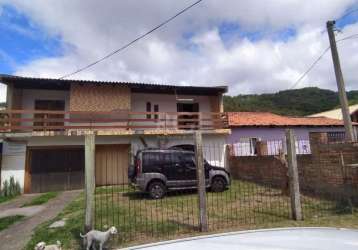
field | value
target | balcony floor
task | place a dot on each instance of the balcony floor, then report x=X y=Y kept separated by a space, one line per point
x=119 y=132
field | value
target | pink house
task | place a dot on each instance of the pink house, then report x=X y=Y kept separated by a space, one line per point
x=248 y=128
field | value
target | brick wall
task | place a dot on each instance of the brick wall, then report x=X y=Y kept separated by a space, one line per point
x=322 y=171
x=99 y=97
x=260 y=169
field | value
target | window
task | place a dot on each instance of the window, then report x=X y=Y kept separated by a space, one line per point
x=188 y=159
x=149 y=109
x=247 y=146
x=156 y=109
x=171 y=158
x=151 y=158
x=253 y=146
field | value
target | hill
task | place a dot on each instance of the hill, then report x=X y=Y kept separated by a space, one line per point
x=297 y=102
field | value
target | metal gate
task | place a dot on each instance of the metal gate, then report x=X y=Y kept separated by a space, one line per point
x=55 y=169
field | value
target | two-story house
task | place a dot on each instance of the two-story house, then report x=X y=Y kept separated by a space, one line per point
x=45 y=121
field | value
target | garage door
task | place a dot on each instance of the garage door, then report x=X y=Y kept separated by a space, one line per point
x=55 y=169
x=112 y=164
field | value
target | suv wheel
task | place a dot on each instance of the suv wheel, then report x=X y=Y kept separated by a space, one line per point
x=156 y=190
x=218 y=184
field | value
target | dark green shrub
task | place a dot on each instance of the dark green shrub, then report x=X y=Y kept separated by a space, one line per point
x=11 y=188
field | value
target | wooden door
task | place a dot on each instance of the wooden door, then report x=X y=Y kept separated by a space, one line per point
x=112 y=164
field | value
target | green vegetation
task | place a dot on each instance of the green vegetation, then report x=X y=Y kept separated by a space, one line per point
x=140 y=220
x=69 y=234
x=8 y=221
x=6 y=198
x=42 y=199
x=297 y=102
x=10 y=189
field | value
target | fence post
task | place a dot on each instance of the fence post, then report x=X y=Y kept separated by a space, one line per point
x=200 y=175
x=89 y=180
x=293 y=176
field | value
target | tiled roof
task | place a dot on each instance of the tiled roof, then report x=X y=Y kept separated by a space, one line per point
x=265 y=119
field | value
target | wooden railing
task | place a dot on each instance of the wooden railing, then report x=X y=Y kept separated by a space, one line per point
x=43 y=120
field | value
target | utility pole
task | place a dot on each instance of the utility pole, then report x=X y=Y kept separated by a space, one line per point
x=200 y=176
x=350 y=136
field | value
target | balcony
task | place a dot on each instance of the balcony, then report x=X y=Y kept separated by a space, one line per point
x=45 y=122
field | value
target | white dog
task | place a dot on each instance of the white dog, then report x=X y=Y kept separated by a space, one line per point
x=42 y=246
x=97 y=236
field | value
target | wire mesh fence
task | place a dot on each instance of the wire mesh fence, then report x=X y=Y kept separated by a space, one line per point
x=249 y=147
x=255 y=196
x=333 y=191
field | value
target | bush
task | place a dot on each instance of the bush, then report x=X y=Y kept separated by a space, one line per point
x=11 y=188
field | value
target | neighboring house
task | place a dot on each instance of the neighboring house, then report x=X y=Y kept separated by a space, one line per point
x=337 y=113
x=250 y=128
x=46 y=119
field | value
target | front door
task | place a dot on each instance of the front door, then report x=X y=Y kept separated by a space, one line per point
x=51 y=105
x=188 y=121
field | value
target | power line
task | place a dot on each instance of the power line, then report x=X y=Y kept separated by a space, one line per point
x=347 y=14
x=354 y=36
x=340 y=18
x=310 y=68
x=131 y=42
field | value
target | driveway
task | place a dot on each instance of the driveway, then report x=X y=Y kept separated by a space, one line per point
x=16 y=236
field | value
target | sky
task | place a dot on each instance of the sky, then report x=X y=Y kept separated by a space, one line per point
x=251 y=46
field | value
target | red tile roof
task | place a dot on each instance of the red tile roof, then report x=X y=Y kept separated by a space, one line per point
x=266 y=119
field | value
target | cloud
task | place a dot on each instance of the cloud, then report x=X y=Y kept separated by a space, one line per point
x=170 y=55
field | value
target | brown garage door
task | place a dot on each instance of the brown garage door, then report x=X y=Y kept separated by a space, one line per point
x=54 y=169
x=112 y=164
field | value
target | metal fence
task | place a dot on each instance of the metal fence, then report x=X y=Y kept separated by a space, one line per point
x=337 y=137
x=140 y=219
x=245 y=204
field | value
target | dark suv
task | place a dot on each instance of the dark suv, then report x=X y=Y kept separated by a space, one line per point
x=159 y=170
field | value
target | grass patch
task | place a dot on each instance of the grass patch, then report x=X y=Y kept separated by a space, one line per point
x=141 y=220
x=69 y=234
x=6 y=198
x=8 y=221
x=42 y=199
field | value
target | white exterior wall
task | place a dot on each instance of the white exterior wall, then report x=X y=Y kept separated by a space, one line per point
x=166 y=103
x=213 y=145
x=13 y=162
x=30 y=95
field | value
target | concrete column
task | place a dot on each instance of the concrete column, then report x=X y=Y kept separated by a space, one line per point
x=90 y=183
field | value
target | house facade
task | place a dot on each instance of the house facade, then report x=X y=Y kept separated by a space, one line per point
x=337 y=113
x=250 y=129
x=45 y=122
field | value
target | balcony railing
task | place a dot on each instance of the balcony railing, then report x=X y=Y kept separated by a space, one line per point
x=17 y=121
